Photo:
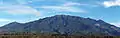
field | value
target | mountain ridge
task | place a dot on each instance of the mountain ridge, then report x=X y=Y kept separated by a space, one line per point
x=64 y=24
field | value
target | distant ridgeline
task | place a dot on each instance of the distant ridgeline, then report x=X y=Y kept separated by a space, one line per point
x=62 y=25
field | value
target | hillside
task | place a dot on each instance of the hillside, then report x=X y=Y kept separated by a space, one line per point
x=64 y=24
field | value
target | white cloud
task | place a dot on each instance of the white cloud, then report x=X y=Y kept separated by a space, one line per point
x=78 y=4
x=64 y=8
x=72 y=3
x=19 y=9
x=111 y=3
x=27 y=1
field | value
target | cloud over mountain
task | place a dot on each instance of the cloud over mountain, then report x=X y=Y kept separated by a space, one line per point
x=111 y=3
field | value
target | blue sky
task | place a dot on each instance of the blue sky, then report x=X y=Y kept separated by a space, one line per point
x=28 y=10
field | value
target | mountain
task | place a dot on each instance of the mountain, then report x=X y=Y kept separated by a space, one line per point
x=64 y=24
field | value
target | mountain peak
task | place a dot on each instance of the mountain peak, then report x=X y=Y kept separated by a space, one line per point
x=14 y=22
x=61 y=15
x=100 y=21
x=65 y=24
x=66 y=16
